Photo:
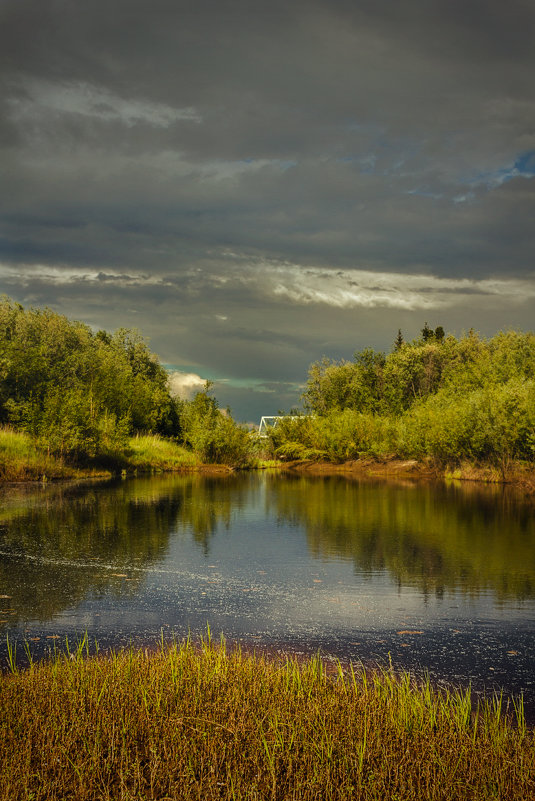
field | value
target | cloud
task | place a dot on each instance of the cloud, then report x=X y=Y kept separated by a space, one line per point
x=57 y=275
x=256 y=185
x=375 y=289
x=185 y=385
x=41 y=98
x=297 y=284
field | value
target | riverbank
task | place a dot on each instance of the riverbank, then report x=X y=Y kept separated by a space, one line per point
x=516 y=474
x=188 y=723
x=23 y=460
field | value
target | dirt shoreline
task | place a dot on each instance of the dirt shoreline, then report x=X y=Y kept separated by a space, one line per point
x=90 y=475
x=516 y=475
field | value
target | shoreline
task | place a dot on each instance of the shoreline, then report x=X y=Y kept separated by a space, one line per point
x=79 y=475
x=277 y=655
x=517 y=476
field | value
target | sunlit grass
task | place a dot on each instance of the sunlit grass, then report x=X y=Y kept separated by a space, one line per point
x=152 y=451
x=21 y=459
x=203 y=723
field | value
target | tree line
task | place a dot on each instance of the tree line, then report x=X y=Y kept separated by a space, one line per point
x=82 y=394
x=440 y=396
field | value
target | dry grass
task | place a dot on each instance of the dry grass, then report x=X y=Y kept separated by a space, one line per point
x=202 y=723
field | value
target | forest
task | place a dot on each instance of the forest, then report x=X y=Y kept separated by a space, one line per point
x=438 y=397
x=90 y=397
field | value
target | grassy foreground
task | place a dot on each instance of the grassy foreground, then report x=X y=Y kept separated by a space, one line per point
x=204 y=723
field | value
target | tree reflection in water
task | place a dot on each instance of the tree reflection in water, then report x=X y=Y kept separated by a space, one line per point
x=464 y=537
x=62 y=544
x=73 y=540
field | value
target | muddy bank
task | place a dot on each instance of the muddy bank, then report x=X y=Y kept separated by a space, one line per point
x=518 y=475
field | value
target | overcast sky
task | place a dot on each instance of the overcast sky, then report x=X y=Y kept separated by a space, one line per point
x=254 y=185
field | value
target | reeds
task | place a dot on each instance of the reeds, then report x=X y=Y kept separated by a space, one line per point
x=187 y=722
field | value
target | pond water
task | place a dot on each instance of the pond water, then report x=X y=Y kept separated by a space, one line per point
x=438 y=578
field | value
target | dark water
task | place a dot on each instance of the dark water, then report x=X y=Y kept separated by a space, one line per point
x=439 y=578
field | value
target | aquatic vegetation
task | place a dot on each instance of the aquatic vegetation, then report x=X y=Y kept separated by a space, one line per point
x=190 y=722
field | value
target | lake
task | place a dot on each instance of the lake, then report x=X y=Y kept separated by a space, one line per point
x=439 y=578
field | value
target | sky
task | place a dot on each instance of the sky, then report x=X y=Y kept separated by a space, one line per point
x=256 y=185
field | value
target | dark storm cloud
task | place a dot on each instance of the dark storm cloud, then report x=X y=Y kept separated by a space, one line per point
x=255 y=184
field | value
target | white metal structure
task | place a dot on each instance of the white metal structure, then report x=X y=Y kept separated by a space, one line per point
x=268 y=422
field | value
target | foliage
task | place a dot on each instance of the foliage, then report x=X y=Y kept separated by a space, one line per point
x=21 y=459
x=83 y=395
x=493 y=423
x=157 y=453
x=78 y=393
x=212 y=434
x=336 y=436
x=438 y=396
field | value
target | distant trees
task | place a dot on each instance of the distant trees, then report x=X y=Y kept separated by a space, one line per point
x=82 y=394
x=377 y=382
x=392 y=383
x=212 y=434
x=398 y=342
x=438 y=396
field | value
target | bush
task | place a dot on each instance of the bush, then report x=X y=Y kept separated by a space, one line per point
x=213 y=435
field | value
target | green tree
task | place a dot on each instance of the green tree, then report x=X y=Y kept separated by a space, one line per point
x=78 y=391
x=212 y=434
x=398 y=342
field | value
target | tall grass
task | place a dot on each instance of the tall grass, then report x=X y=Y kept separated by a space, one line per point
x=21 y=459
x=155 y=452
x=204 y=723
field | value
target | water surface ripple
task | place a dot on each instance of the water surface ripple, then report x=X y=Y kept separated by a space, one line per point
x=438 y=578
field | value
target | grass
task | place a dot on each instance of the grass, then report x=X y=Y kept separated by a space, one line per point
x=153 y=452
x=188 y=722
x=21 y=459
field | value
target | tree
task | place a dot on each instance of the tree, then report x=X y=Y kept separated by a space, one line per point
x=398 y=342
x=78 y=391
x=427 y=333
x=213 y=435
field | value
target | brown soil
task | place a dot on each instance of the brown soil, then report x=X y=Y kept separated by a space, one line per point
x=517 y=474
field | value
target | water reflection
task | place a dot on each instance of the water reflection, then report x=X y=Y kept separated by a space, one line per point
x=60 y=543
x=434 y=537
x=437 y=577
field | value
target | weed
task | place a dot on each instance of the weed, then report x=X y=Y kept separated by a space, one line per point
x=186 y=722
